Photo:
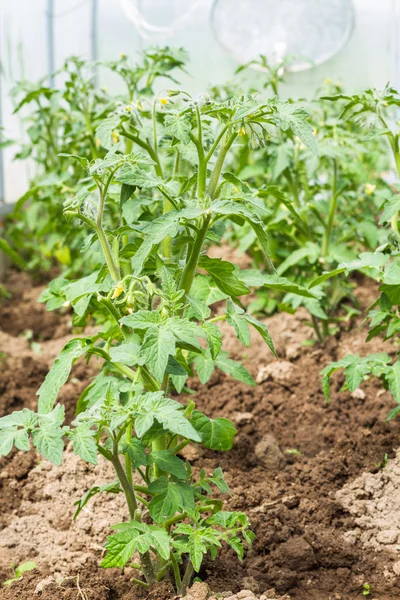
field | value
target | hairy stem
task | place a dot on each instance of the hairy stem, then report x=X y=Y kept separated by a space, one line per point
x=145 y=559
x=331 y=215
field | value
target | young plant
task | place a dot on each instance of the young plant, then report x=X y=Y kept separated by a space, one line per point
x=156 y=327
x=382 y=265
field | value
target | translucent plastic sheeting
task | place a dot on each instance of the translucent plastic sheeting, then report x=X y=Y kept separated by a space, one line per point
x=157 y=19
x=310 y=30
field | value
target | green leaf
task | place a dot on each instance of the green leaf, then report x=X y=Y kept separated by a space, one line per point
x=48 y=440
x=198 y=308
x=132 y=537
x=169 y=413
x=238 y=322
x=390 y=208
x=393 y=377
x=326 y=275
x=84 y=443
x=11 y=253
x=254 y=278
x=216 y=434
x=204 y=364
x=111 y=488
x=214 y=338
x=310 y=251
x=223 y=274
x=137 y=177
x=229 y=209
x=234 y=368
x=206 y=290
x=105 y=129
x=126 y=192
x=126 y=353
x=290 y=116
x=179 y=126
x=263 y=331
x=154 y=233
x=172 y=496
x=59 y=373
x=156 y=347
x=167 y=461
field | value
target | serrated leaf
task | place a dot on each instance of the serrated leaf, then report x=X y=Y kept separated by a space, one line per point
x=172 y=497
x=167 y=461
x=224 y=276
x=111 y=488
x=169 y=413
x=84 y=443
x=105 y=129
x=393 y=377
x=133 y=536
x=263 y=331
x=204 y=365
x=216 y=434
x=59 y=374
x=135 y=176
x=214 y=338
x=179 y=126
x=238 y=321
x=290 y=116
x=234 y=368
x=254 y=278
x=156 y=347
x=48 y=440
x=126 y=192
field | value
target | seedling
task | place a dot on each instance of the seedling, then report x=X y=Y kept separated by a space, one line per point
x=19 y=571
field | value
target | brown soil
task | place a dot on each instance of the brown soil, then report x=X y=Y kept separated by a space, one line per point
x=299 y=468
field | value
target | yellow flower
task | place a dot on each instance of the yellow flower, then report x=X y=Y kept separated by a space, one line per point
x=118 y=291
x=128 y=108
x=369 y=188
x=122 y=55
x=327 y=81
x=242 y=130
x=115 y=137
x=163 y=101
x=98 y=143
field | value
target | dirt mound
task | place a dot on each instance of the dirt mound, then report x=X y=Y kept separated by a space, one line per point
x=374 y=501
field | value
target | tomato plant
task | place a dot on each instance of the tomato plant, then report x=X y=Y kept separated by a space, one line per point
x=151 y=203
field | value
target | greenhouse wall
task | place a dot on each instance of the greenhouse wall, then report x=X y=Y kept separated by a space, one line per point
x=36 y=37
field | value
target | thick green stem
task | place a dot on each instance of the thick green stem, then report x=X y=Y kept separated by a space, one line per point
x=145 y=559
x=159 y=443
x=189 y=270
x=177 y=574
x=331 y=216
x=146 y=146
x=113 y=269
x=215 y=175
x=128 y=462
x=186 y=578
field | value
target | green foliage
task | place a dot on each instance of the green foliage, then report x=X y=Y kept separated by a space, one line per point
x=150 y=199
x=19 y=571
x=147 y=184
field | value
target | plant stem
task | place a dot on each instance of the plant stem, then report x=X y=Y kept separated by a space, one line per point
x=146 y=146
x=145 y=559
x=186 y=578
x=177 y=574
x=331 y=216
x=128 y=462
x=193 y=257
x=212 y=184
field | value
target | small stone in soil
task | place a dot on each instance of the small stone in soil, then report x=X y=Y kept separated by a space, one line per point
x=269 y=454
